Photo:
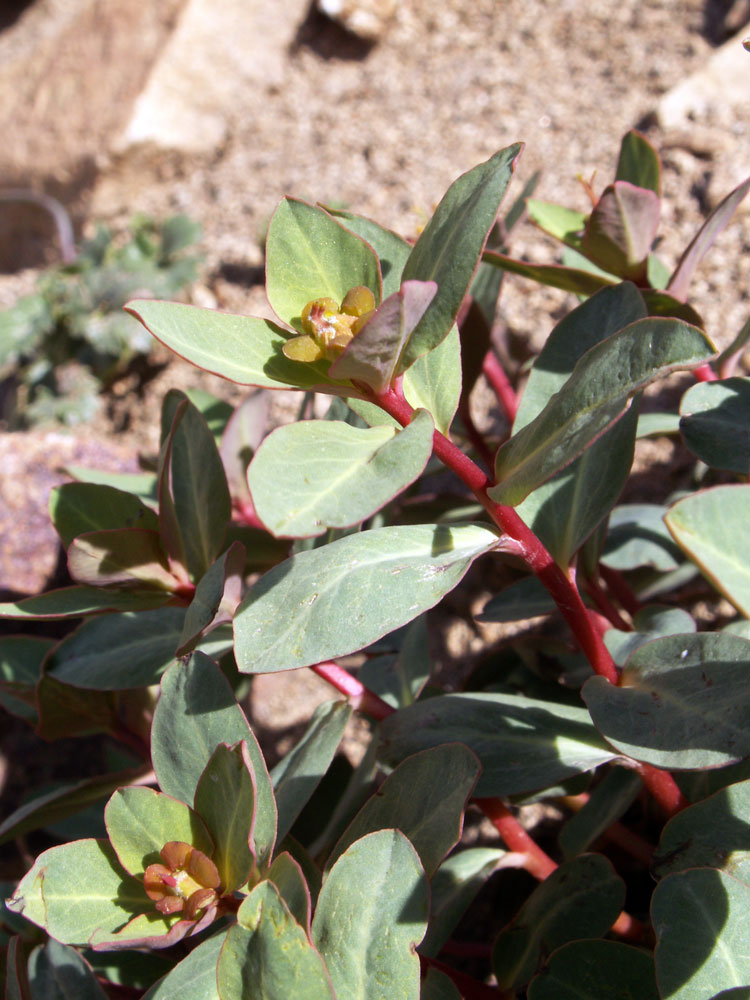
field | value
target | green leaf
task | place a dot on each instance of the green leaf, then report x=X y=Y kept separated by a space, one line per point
x=297 y=775
x=661 y=303
x=429 y=813
x=566 y=510
x=703 y=240
x=337 y=599
x=125 y=556
x=78 y=508
x=76 y=602
x=452 y=890
x=15 y=968
x=194 y=978
x=68 y=711
x=594 y=321
x=267 y=955
x=714 y=423
x=449 y=248
x=434 y=381
x=596 y=970
x=319 y=474
x=78 y=888
x=710 y=526
x=523 y=744
x=195 y=713
x=639 y=163
x=658 y=424
x=225 y=801
x=118 y=652
x=288 y=877
x=621 y=230
x=199 y=486
x=637 y=537
x=370 y=917
x=243 y=349
x=682 y=702
x=67 y=800
x=708 y=909
x=564 y=224
x=242 y=435
x=437 y=986
x=648 y=623
x=215 y=600
x=309 y=255
x=526 y=598
x=714 y=833
x=373 y=355
x=21 y=659
x=57 y=972
x=578 y=280
x=580 y=899
x=392 y=250
x=594 y=396
x=139 y=484
x=609 y=800
x=140 y=821
x=398 y=678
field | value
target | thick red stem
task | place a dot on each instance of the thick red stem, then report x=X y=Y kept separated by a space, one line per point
x=619 y=587
x=607 y=608
x=538 y=864
x=661 y=784
x=360 y=697
x=506 y=396
x=705 y=373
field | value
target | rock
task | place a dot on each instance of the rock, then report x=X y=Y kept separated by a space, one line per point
x=221 y=57
x=368 y=19
x=70 y=71
x=714 y=92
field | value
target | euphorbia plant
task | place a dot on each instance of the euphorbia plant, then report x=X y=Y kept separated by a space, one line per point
x=631 y=703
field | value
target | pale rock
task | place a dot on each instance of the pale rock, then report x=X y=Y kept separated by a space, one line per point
x=721 y=87
x=221 y=57
x=367 y=19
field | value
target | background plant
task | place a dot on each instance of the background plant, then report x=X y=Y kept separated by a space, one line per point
x=622 y=712
x=61 y=345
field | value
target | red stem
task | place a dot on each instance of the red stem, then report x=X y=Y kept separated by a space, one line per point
x=607 y=608
x=474 y=435
x=506 y=396
x=531 y=550
x=661 y=784
x=705 y=373
x=619 y=587
x=360 y=697
x=538 y=864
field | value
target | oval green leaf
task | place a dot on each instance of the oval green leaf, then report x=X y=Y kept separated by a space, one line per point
x=195 y=713
x=450 y=247
x=523 y=744
x=194 y=978
x=319 y=474
x=309 y=255
x=78 y=508
x=580 y=899
x=267 y=955
x=337 y=599
x=711 y=527
x=682 y=702
x=714 y=422
x=714 y=833
x=370 y=917
x=594 y=396
x=57 y=972
x=709 y=909
x=596 y=970
x=140 y=821
x=429 y=812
